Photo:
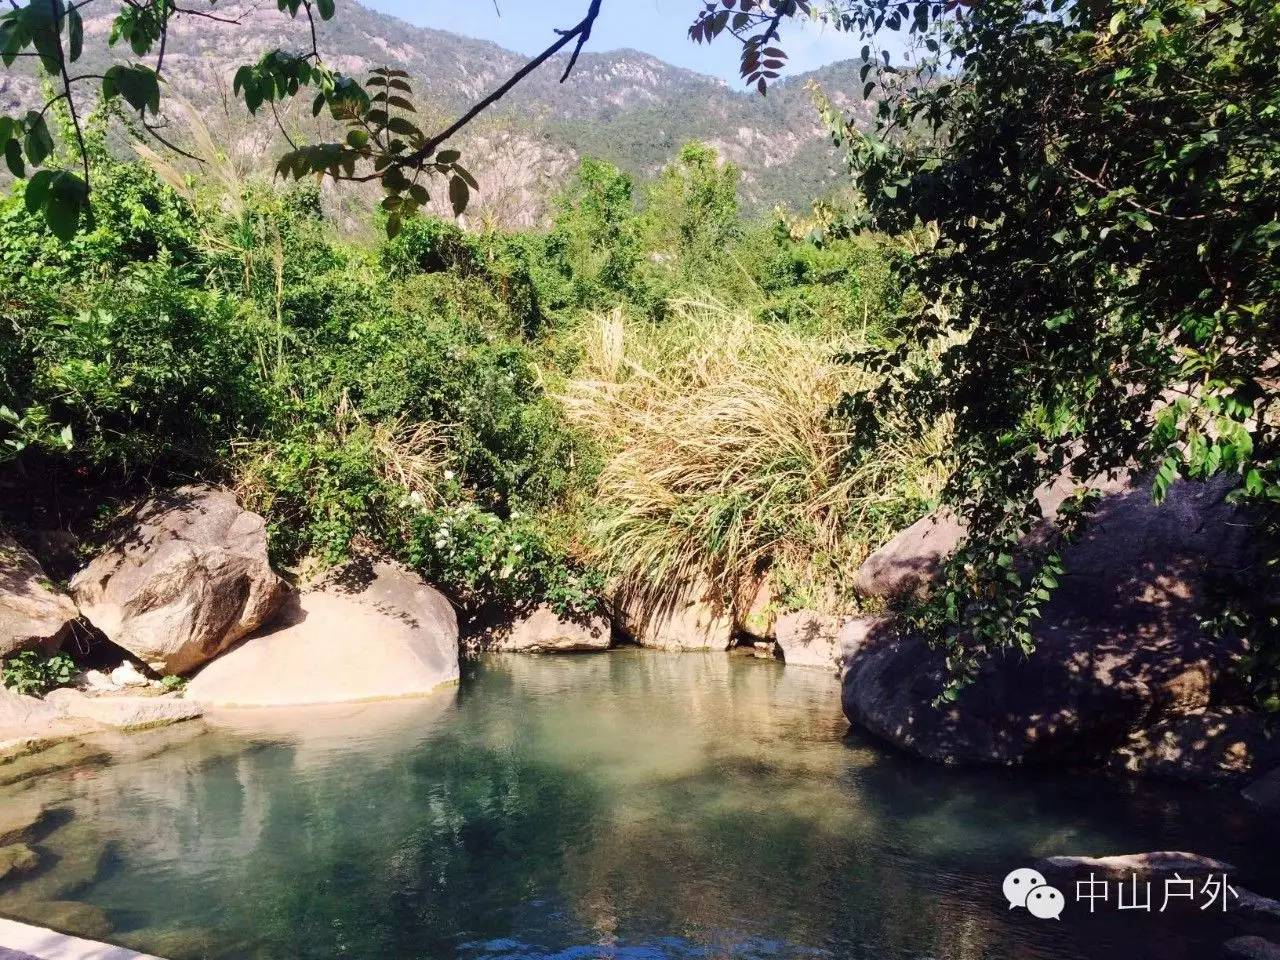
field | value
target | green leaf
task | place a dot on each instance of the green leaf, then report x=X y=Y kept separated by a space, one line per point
x=459 y=195
x=68 y=197
x=38 y=142
x=448 y=156
x=75 y=35
x=13 y=157
x=138 y=85
x=37 y=190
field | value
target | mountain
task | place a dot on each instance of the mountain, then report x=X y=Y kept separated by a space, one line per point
x=623 y=106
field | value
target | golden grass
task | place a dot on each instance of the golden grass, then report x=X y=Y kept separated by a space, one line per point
x=722 y=459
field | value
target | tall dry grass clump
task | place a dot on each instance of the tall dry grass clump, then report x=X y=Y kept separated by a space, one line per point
x=723 y=461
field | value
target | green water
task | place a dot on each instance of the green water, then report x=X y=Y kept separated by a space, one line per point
x=628 y=805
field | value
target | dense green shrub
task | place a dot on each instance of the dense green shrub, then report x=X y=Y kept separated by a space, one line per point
x=33 y=673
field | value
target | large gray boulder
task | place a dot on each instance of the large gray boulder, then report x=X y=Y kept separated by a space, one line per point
x=370 y=631
x=808 y=638
x=1119 y=650
x=689 y=619
x=34 y=615
x=184 y=577
x=909 y=563
x=542 y=630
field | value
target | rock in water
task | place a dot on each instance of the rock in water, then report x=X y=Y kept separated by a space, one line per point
x=1264 y=792
x=184 y=577
x=689 y=620
x=809 y=639
x=1119 y=650
x=33 y=615
x=542 y=630
x=20 y=818
x=372 y=630
x=124 y=713
x=1160 y=861
x=17 y=859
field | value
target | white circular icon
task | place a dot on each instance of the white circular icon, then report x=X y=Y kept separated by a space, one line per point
x=1019 y=883
x=1045 y=902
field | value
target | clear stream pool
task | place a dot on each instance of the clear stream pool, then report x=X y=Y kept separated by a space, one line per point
x=630 y=805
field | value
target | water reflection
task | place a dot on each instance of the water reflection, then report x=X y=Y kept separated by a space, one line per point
x=629 y=805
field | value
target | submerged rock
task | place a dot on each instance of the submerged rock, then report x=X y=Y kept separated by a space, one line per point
x=542 y=630
x=17 y=859
x=19 y=818
x=691 y=619
x=33 y=614
x=1119 y=651
x=184 y=577
x=372 y=630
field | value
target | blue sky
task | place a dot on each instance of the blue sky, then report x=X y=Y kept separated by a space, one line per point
x=657 y=27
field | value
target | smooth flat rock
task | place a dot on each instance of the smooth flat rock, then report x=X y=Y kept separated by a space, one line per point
x=372 y=631
x=34 y=615
x=542 y=630
x=124 y=712
x=1162 y=861
x=183 y=577
x=18 y=711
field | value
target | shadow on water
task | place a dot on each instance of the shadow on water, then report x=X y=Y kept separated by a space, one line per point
x=630 y=805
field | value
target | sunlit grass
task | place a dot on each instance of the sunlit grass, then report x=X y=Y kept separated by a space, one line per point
x=723 y=460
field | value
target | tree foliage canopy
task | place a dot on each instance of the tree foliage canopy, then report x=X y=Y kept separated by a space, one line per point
x=1104 y=180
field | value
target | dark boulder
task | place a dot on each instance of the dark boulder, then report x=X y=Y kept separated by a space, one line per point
x=1119 y=650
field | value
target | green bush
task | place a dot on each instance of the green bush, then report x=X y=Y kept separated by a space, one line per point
x=143 y=369
x=34 y=674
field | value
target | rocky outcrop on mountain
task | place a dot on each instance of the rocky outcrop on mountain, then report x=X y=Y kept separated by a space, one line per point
x=370 y=630
x=184 y=576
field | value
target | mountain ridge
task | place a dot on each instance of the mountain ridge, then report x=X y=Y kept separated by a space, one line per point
x=624 y=106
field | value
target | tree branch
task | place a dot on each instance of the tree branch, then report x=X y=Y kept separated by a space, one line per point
x=582 y=31
x=71 y=107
